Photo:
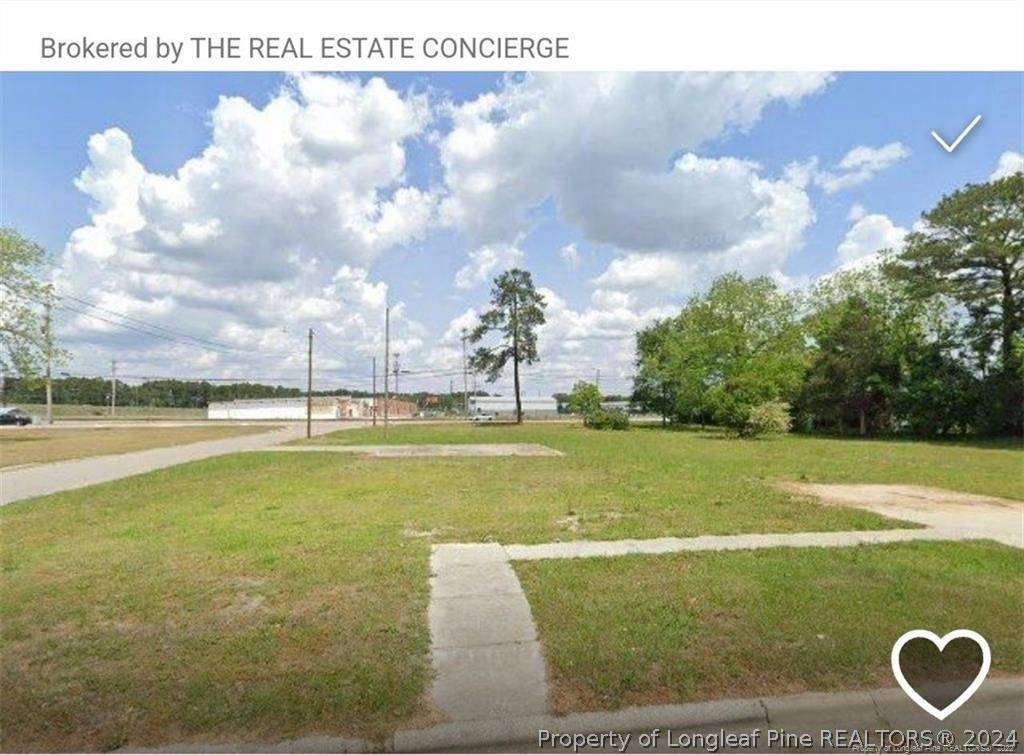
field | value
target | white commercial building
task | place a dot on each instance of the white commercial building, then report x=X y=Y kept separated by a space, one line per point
x=501 y=406
x=275 y=408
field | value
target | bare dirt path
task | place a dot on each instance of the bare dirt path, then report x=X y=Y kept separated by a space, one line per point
x=961 y=514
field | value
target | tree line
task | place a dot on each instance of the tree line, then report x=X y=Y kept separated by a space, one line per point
x=171 y=393
x=927 y=342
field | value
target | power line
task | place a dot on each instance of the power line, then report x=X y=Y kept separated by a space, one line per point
x=142 y=327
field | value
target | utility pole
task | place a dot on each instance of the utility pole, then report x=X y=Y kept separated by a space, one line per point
x=465 y=377
x=396 y=372
x=387 y=347
x=114 y=386
x=597 y=378
x=374 y=409
x=48 y=345
x=309 y=388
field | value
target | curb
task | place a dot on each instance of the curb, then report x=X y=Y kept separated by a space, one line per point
x=865 y=709
x=874 y=709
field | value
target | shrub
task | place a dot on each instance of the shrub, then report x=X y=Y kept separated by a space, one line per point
x=606 y=420
x=769 y=417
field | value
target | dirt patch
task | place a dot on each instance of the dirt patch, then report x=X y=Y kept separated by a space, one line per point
x=967 y=514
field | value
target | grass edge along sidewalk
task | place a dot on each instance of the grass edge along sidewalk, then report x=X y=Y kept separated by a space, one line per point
x=250 y=564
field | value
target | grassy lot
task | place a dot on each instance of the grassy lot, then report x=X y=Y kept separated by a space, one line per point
x=218 y=599
x=262 y=596
x=34 y=445
x=718 y=625
x=91 y=411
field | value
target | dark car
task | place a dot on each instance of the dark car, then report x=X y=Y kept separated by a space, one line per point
x=14 y=417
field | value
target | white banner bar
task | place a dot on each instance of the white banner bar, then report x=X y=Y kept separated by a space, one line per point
x=165 y=35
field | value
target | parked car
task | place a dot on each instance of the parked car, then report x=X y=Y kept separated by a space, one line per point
x=13 y=416
x=482 y=417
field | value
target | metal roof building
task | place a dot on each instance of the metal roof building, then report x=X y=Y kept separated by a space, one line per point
x=502 y=406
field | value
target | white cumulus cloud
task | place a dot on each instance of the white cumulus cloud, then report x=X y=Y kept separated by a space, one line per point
x=1010 y=162
x=601 y=146
x=485 y=262
x=272 y=226
x=869 y=233
x=860 y=165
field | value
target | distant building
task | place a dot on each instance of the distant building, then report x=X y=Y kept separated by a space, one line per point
x=323 y=407
x=505 y=406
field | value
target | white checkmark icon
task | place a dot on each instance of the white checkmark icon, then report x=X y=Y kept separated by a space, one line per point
x=954 y=145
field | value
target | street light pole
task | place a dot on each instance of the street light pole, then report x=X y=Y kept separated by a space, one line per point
x=48 y=344
x=309 y=388
x=373 y=411
x=113 y=386
x=387 y=354
x=465 y=377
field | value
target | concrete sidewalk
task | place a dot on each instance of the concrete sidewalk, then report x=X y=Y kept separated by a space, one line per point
x=44 y=479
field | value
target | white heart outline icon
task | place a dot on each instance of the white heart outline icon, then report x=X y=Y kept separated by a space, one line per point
x=940 y=643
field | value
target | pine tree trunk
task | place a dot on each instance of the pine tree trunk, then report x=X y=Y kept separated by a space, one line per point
x=515 y=359
x=519 y=403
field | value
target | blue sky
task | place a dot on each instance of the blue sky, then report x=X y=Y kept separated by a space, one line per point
x=489 y=172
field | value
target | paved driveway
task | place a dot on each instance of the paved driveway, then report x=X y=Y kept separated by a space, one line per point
x=43 y=479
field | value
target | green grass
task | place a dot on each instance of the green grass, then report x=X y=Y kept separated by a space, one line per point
x=261 y=596
x=219 y=599
x=39 y=445
x=719 y=625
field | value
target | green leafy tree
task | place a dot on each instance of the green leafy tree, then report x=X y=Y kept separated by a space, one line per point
x=653 y=383
x=859 y=325
x=754 y=343
x=585 y=398
x=24 y=339
x=729 y=350
x=517 y=310
x=971 y=248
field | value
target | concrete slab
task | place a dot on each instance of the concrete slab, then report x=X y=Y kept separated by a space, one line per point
x=462 y=554
x=480 y=620
x=456 y=581
x=493 y=681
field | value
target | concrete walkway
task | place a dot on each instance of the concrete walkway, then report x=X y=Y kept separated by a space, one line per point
x=431 y=449
x=44 y=479
x=591 y=548
x=486 y=657
x=488 y=664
